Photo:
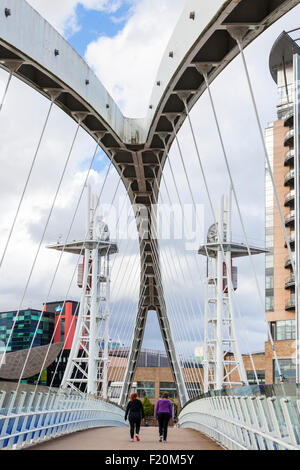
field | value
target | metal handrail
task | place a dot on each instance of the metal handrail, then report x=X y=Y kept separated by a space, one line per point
x=29 y=419
x=245 y=422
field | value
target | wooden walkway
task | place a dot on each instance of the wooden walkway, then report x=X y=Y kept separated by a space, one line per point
x=119 y=439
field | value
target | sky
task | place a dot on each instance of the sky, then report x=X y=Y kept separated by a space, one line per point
x=123 y=42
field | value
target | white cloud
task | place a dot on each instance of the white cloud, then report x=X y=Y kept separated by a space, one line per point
x=127 y=63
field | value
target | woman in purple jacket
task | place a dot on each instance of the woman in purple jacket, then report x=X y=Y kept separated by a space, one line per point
x=163 y=412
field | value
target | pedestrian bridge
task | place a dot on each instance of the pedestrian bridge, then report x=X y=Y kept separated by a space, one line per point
x=247 y=418
x=209 y=36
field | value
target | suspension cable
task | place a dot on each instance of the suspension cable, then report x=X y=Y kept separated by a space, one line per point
x=208 y=194
x=59 y=260
x=212 y=209
x=183 y=97
x=173 y=258
x=6 y=89
x=76 y=267
x=40 y=243
x=27 y=182
x=238 y=39
x=236 y=199
x=240 y=44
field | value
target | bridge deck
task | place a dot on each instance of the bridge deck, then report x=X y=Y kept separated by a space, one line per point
x=118 y=439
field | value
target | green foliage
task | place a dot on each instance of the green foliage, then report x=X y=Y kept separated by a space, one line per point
x=175 y=408
x=148 y=408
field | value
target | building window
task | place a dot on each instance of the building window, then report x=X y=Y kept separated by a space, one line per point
x=269 y=261
x=62 y=330
x=146 y=389
x=270 y=304
x=283 y=330
x=169 y=388
x=269 y=282
x=287 y=368
x=261 y=376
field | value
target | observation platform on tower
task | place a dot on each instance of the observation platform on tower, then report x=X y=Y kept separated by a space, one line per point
x=237 y=250
x=78 y=247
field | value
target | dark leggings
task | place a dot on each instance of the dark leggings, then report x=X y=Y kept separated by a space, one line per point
x=163 y=421
x=135 y=424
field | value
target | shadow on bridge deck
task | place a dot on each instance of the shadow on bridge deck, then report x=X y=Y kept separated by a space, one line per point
x=118 y=439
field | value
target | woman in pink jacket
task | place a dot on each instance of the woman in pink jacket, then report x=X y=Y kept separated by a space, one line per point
x=163 y=412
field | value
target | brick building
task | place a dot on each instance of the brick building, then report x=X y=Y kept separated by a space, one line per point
x=281 y=142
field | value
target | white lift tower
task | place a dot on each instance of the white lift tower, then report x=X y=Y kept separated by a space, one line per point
x=222 y=355
x=87 y=367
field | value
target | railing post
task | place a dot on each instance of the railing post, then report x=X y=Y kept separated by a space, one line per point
x=292 y=435
x=27 y=407
x=265 y=424
x=7 y=412
x=2 y=397
x=48 y=416
x=34 y=418
x=250 y=438
x=239 y=419
x=18 y=411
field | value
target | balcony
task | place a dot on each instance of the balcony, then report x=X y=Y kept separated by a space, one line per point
x=290 y=282
x=289 y=178
x=290 y=198
x=289 y=118
x=290 y=218
x=288 y=263
x=289 y=157
x=291 y=239
x=289 y=138
x=291 y=303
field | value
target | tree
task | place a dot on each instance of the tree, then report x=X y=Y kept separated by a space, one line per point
x=148 y=407
x=175 y=408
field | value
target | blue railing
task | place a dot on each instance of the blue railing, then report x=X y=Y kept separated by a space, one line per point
x=30 y=418
x=263 y=417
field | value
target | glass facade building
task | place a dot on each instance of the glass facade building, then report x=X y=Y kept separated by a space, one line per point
x=25 y=329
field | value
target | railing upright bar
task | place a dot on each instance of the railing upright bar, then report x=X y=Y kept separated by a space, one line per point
x=7 y=412
x=292 y=435
x=19 y=406
x=249 y=436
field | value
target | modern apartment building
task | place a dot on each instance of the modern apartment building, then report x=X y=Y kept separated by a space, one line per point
x=282 y=145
